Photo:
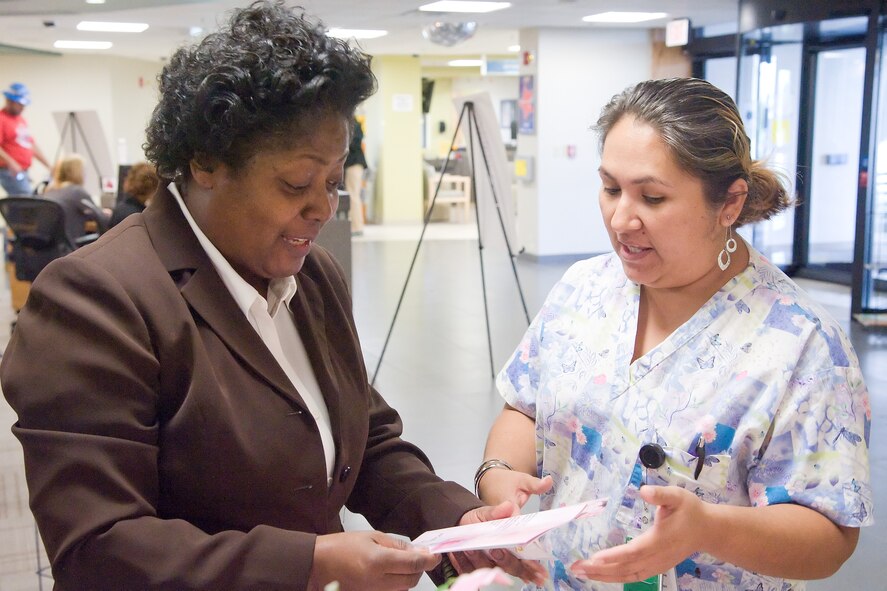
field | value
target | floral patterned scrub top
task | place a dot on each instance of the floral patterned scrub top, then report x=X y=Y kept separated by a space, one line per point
x=763 y=375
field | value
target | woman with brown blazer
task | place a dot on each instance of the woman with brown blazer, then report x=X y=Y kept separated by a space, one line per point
x=191 y=395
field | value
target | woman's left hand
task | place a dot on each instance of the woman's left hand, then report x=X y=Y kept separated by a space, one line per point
x=679 y=527
x=528 y=571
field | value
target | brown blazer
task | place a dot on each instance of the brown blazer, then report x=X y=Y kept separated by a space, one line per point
x=164 y=446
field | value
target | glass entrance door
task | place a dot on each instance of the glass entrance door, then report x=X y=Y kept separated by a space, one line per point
x=874 y=284
x=768 y=99
x=834 y=161
x=813 y=96
x=800 y=92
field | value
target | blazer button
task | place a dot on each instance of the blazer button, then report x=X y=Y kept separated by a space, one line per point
x=343 y=475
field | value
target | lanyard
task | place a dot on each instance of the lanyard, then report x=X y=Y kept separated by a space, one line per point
x=650 y=456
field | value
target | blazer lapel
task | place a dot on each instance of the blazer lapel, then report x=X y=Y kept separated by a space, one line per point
x=203 y=289
x=308 y=311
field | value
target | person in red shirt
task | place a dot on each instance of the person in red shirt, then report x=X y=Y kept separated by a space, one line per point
x=17 y=147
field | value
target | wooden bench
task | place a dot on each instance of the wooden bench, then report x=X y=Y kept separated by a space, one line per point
x=454 y=190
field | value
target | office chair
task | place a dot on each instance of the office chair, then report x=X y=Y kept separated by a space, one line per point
x=38 y=234
x=35 y=237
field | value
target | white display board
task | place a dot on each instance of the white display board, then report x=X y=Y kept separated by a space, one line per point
x=500 y=171
x=81 y=133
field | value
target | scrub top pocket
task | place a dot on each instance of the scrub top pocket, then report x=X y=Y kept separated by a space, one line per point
x=680 y=466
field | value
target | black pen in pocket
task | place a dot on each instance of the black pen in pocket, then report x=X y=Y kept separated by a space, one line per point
x=700 y=457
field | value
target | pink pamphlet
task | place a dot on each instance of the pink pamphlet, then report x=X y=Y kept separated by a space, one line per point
x=518 y=534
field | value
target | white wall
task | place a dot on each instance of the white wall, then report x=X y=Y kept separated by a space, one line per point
x=577 y=71
x=122 y=92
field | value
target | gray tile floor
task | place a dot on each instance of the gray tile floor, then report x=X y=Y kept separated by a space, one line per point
x=437 y=373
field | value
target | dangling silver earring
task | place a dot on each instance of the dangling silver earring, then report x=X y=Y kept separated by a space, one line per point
x=730 y=246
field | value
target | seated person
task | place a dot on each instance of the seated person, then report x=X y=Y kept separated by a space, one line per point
x=82 y=215
x=139 y=185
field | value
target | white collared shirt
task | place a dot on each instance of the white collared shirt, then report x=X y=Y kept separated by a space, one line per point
x=274 y=323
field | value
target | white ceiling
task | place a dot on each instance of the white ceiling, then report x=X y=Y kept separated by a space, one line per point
x=24 y=23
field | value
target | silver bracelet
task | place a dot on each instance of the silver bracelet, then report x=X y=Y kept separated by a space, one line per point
x=486 y=466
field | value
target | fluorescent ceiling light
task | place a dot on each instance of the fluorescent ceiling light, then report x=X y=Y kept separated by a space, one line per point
x=106 y=27
x=95 y=1
x=62 y=44
x=356 y=33
x=624 y=17
x=514 y=48
x=462 y=6
x=465 y=63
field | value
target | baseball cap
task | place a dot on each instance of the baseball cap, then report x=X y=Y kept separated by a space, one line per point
x=18 y=92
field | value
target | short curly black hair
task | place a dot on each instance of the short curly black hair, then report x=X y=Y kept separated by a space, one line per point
x=260 y=82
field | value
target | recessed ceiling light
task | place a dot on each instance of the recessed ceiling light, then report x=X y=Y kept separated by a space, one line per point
x=356 y=33
x=624 y=17
x=95 y=1
x=463 y=6
x=465 y=63
x=62 y=44
x=514 y=48
x=107 y=27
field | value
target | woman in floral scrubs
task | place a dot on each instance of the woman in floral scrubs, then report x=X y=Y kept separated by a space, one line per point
x=686 y=339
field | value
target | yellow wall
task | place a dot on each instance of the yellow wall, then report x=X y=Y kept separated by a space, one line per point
x=441 y=111
x=398 y=194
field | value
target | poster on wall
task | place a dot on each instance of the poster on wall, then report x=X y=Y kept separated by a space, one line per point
x=526 y=103
x=402 y=103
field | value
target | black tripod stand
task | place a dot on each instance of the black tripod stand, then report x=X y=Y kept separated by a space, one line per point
x=473 y=130
x=72 y=126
